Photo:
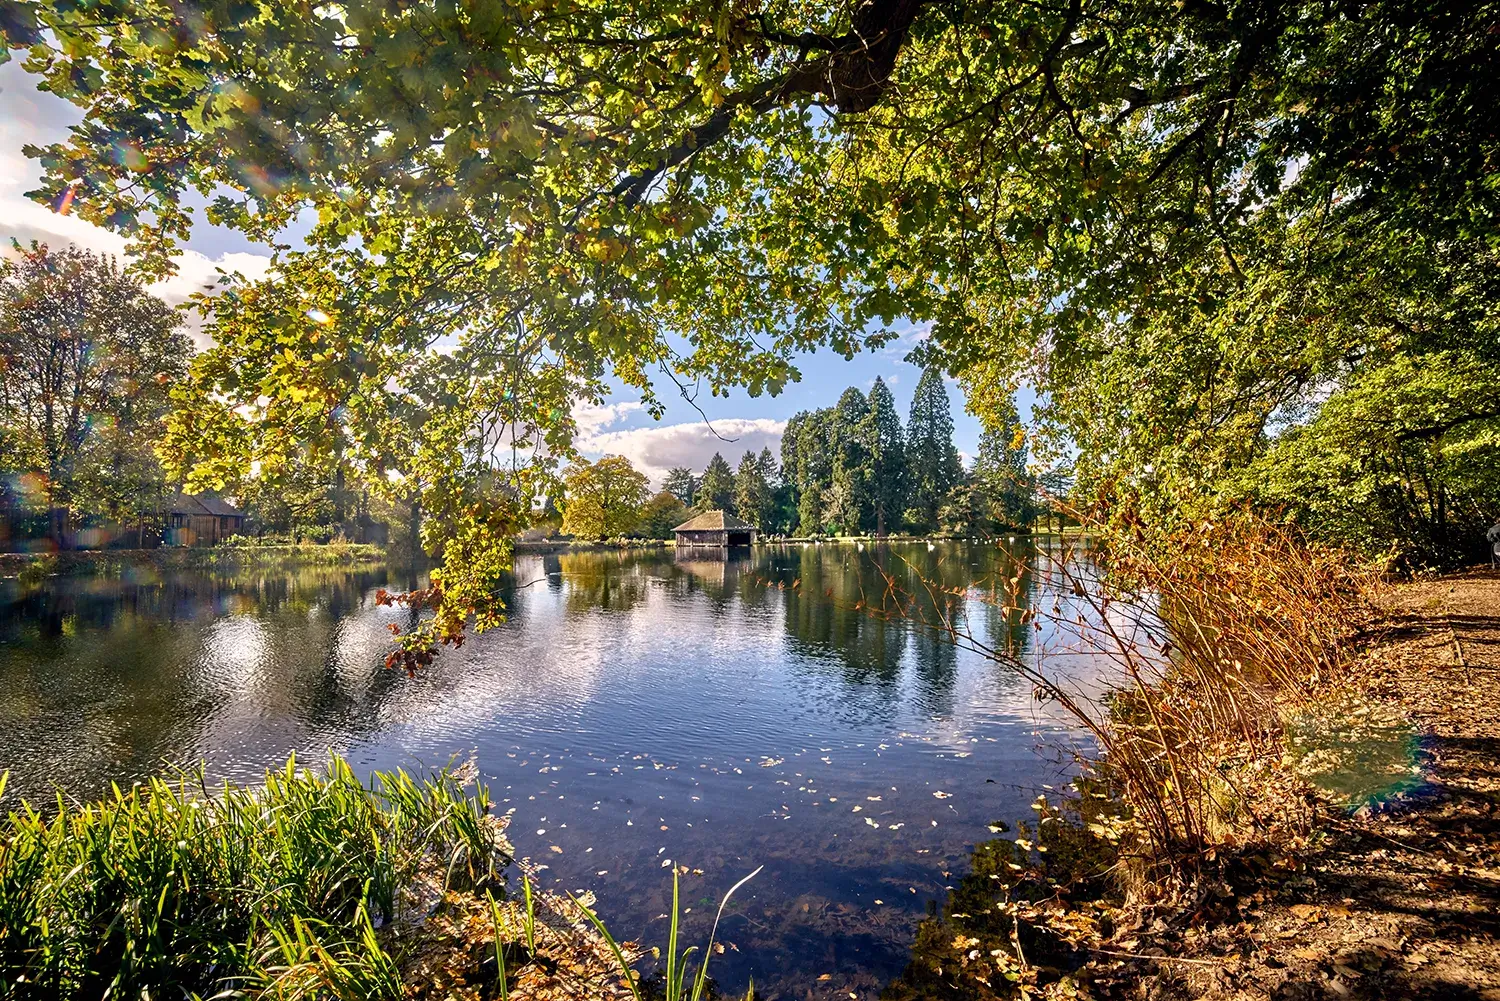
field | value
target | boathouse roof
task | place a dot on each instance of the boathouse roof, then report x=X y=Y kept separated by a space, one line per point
x=203 y=504
x=714 y=521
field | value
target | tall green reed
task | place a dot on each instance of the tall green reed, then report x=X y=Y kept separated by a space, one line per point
x=677 y=965
x=165 y=890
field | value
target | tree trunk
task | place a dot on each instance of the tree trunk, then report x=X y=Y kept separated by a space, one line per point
x=415 y=528
x=57 y=526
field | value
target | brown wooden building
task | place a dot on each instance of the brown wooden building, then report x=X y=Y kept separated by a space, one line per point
x=715 y=529
x=202 y=520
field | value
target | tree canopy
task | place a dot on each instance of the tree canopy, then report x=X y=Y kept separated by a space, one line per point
x=87 y=360
x=1179 y=222
x=604 y=498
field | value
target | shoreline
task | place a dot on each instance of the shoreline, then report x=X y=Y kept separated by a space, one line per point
x=1389 y=891
x=548 y=546
x=79 y=562
x=1395 y=897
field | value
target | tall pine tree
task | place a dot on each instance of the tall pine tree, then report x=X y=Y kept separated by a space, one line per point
x=807 y=462
x=772 y=513
x=681 y=483
x=716 y=487
x=791 y=468
x=932 y=465
x=887 y=461
x=751 y=491
x=848 y=508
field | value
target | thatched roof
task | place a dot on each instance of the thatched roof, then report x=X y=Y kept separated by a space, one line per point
x=714 y=521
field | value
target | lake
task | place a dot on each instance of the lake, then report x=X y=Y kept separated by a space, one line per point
x=638 y=710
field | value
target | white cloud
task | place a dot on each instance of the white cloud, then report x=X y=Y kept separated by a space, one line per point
x=593 y=418
x=25 y=220
x=656 y=449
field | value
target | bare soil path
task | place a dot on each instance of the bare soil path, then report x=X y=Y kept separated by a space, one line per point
x=1401 y=899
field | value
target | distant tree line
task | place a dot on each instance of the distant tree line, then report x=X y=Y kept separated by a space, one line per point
x=853 y=469
x=849 y=469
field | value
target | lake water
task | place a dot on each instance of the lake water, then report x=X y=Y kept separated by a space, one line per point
x=638 y=710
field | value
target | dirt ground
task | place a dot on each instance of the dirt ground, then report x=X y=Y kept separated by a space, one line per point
x=1401 y=899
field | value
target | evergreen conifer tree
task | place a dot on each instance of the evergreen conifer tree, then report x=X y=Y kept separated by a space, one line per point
x=772 y=518
x=681 y=483
x=807 y=459
x=751 y=491
x=932 y=465
x=887 y=461
x=716 y=487
x=849 y=508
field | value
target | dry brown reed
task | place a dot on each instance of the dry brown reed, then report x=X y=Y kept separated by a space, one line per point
x=1235 y=622
x=1208 y=639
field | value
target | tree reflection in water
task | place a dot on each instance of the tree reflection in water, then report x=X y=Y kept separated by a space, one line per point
x=719 y=706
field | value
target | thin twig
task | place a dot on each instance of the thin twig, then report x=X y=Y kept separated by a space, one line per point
x=1158 y=959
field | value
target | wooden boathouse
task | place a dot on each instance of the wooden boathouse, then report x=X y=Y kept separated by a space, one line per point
x=714 y=530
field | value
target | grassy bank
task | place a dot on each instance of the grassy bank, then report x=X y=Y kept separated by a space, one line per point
x=104 y=561
x=314 y=885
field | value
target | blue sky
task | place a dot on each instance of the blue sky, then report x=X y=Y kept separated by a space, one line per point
x=620 y=426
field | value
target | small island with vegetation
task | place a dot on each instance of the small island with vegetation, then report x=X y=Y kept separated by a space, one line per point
x=344 y=658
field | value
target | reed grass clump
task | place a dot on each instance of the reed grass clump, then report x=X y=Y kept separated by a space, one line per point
x=167 y=890
x=316 y=885
x=1206 y=640
x=1229 y=626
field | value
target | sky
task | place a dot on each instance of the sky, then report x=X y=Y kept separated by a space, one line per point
x=619 y=425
